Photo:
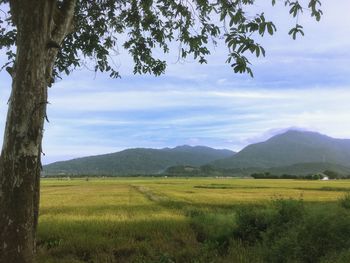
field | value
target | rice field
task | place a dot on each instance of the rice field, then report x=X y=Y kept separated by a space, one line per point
x=159 y=219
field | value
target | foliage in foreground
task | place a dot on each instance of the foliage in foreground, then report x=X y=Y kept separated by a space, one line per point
x=287 y=232
x=283 y=231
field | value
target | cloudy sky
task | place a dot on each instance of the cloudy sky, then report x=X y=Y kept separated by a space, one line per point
x=300 y=84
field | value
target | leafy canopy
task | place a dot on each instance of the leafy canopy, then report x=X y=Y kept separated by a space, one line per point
x=149 y=25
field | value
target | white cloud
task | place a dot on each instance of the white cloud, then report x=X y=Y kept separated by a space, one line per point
x=143 y=100
x=230 y=119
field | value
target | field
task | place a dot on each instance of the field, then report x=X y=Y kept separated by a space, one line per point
x=166 y=219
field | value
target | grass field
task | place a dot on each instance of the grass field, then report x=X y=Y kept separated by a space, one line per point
x=162 y=219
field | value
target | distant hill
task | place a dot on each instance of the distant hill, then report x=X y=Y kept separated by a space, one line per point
x=299 y=169
x=137 y=161
x=288 y=149
x=309 y=168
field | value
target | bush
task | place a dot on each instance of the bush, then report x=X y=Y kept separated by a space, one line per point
x=323 y=234
x=251 y=224
x=213 y=228
x=288 y=211
x=254 y=224
x=342 y=257
x=345 y=201
x=287 y=232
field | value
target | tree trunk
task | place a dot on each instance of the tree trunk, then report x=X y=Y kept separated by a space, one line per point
x=20 y=164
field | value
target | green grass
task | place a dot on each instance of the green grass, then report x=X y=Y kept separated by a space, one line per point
x=162 y=219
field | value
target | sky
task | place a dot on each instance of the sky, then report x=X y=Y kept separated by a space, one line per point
x=302 y=84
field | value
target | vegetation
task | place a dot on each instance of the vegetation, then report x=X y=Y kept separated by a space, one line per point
x=345 y=201
x=304 y=169
x=317 y=176
x=193 y=220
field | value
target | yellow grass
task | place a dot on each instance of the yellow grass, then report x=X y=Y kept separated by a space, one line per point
x=146 y=220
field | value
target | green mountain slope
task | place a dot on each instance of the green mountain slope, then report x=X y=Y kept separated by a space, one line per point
x=292 y=147
x=137 y=161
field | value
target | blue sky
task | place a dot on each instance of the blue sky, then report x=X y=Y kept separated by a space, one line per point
x=302 y=84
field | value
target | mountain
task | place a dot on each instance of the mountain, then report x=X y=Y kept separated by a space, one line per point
x=290 y=148
x=137 y=161
x=293 y=152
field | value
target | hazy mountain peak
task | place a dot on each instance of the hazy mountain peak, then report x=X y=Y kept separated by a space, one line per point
x=185 y=147
x=296 y=132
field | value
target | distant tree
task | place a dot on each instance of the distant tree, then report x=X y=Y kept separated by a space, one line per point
x=317 y=177
x=265 y=175
x=289 y=176
x=331 y=174
x=45 y=38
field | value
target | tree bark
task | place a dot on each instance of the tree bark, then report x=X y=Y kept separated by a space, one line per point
x=20 y=160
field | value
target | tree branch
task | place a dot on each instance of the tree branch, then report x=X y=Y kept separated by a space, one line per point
x=63 y=20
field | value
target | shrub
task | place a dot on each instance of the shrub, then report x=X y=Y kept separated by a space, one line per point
x=213 y=228
x=251 y=223
x=345 y=201
x=323 y=234
x=287 y=232
x=342 y=257
x=306 y=236
x=288 y=211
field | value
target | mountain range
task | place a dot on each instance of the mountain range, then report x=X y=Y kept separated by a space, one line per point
x=292 y=152
x=138 y=161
